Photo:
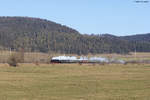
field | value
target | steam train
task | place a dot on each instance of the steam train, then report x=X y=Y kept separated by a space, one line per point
x=67 y=59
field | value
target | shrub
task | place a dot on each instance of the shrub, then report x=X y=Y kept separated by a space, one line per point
x=14 y=59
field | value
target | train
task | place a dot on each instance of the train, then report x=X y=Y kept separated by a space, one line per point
x=73 y=59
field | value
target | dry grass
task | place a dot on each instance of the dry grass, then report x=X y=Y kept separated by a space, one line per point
x=32 y=57
x=74 y=82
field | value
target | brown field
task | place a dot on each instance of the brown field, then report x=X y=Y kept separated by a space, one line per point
x=75 y=82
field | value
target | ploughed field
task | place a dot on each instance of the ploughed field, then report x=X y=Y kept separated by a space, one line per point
x=75 y=82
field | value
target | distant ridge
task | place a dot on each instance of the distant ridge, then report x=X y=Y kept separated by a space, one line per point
x=138 y=37
x=35 y=34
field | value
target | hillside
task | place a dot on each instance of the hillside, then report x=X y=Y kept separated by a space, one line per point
x=34 y=34
x=140 y=41
x=138 y=37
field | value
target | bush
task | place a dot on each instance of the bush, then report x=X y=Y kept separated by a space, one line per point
x=14 y=59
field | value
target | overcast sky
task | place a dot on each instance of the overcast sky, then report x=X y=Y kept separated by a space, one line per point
x=118 y=17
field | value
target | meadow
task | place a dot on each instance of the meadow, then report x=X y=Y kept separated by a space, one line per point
x=33 y=57
x=75 y=82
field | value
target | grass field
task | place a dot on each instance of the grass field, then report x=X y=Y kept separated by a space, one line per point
x=75 y=82
x=32 y=57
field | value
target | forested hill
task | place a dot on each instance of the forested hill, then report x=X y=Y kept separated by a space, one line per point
x=34 y=34
x=138 y=37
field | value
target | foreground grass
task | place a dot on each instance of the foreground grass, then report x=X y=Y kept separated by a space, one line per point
x=75 y=82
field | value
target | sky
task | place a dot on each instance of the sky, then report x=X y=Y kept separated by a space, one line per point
x=117 y=17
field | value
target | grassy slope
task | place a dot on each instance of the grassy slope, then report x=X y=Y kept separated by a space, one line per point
x=75 y=82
